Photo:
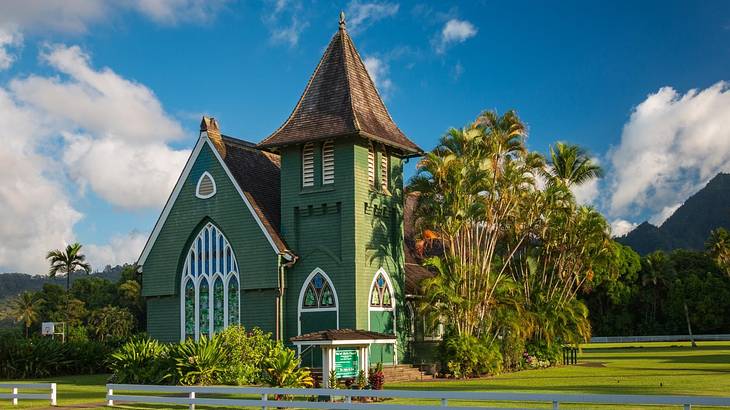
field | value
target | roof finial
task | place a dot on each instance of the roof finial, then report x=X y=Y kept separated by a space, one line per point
x=342 y=20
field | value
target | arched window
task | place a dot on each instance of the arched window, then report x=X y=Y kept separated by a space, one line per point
x=318 y=293
x=206 y=186
x=380 y=294
x=210 y=287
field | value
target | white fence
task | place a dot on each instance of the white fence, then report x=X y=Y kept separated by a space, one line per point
x=304 y=398
x=15 y=394
x=669 y=338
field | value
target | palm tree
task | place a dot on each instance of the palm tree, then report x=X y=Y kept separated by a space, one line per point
x=66 y=262
x=26 y=309
x=570 y=165
x=718 y=246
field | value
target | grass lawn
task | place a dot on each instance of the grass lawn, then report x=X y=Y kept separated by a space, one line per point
x=645 y=368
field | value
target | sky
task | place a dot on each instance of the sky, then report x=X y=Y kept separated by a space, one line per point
x=100 y=102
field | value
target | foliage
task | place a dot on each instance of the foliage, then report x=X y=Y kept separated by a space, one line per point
x=467 y=356
x=142 y=361
x=376 y=377
x=718 y=247
x=361 y=380
x=112 y=321
x=282 y=370
x=248 y=353
x=199 y=363
x=332 y=379
x=67 y=261
x=26 y=309
x=22 y=358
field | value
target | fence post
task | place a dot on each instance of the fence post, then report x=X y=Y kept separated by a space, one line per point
x=109 y=400
x=264 y=398
x=688 y=406
x=15 y=396
x=444 y=402
x=556 y=405
x=53 y=394
x=191 y=396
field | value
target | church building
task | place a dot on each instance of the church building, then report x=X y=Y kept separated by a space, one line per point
x=301 y=232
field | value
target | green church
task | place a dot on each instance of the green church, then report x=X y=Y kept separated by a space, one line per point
x=299 y=233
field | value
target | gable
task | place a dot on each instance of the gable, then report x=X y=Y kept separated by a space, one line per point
x=231 y=209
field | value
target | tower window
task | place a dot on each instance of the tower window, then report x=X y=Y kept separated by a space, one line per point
x=206 y=186
x=371 y=167
x=308 y=165
x=328 y=163
x=384 y=170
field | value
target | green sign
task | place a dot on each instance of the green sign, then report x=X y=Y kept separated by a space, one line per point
x=346 y=363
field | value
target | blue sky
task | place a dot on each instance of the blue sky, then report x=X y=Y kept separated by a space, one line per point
x=109 y=96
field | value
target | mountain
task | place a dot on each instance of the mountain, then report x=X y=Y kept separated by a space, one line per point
x=12 y=284
x=690 y=225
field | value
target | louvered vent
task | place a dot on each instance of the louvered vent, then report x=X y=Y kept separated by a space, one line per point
x=206 y=186
x=371 y=167
x=308 y=165
x=328 y=162
x=383 y=170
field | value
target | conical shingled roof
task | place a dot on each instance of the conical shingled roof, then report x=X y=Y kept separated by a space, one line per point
x=340 y=100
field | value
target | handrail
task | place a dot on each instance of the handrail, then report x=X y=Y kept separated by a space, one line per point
x=15 y=395
x=348 y=395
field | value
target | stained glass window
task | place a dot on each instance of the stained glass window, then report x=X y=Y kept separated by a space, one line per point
x=218 y=300
x=380 y=293
x=318 y=293
x=210 y=274
x=233 y=301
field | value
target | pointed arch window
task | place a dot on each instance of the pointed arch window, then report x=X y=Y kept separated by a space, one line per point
x=206 y=186
x=318 y=294
x=381 y=295
x=210 y=286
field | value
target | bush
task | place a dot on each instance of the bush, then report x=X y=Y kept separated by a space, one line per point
x=199 y=363
x=376 y=377
x=468 y=356
x=248 y=353
x=541 y=354
x=142 y=361
x=282 y=370
x=513 y=349
x=22 y=358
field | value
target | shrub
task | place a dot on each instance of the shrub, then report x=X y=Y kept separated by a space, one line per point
x=248 y=353
x=513 y=349
x=44 y=357
x=542 y=354
x=377 y=377
x=199 y=363
x=142 y=361
x=282 y=370
x=468 y=356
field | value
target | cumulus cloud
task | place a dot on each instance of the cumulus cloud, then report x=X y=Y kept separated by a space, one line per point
x=587 y=193
x=285 y=22
x=621 y=227
x=9 y=39
x=180 y=11
x=121 y=249
x=672 y=145
x=454 y=31
x=361 y=15
x=379 y=70
x=37 y=214
x=661 y=216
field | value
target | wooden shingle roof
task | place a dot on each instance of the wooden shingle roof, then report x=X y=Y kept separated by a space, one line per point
x=340 y=100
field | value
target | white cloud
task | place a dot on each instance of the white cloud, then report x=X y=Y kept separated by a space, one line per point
x=180 y=11
x=8 y=39
x=121 y=249
x=361 y=15
x=454 y=31
x=587 y=193
x=672 y=145
x=659 y=218
x=285 y=22
x=37 y=215
x=379 y=70
x=621 y=227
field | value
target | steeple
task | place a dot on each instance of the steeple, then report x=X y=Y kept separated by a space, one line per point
x=210 y=126
x=340 y=100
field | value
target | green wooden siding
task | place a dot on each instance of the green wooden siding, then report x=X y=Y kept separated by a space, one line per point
x=259 y=309
x=257 y=259
x=163 y=318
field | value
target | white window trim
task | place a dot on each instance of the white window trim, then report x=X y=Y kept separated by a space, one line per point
x=386 y=309
x=301 y=310
x=200 y=180
x=210 y=278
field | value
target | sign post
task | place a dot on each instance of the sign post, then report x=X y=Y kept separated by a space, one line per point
x=347 y=363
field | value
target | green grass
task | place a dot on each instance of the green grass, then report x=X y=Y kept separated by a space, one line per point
x=646 y=368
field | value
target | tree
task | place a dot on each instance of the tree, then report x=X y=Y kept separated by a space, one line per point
x=718 y=246
x=66 y=262
x=570 y=165
x=111 y=321
x=26 y=308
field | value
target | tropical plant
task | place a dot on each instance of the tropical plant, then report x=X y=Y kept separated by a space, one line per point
x=282 y=370
x=467 y=356
x=376 y=377
x=26 y=307
x=142 y=361
x=718 y=246
x=570 y=165
x=111 y=321
x=248 y=353
x=66 y=262
x=199 y=362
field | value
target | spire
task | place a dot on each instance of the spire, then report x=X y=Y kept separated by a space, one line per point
x=210 y=126
x=340 y=100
